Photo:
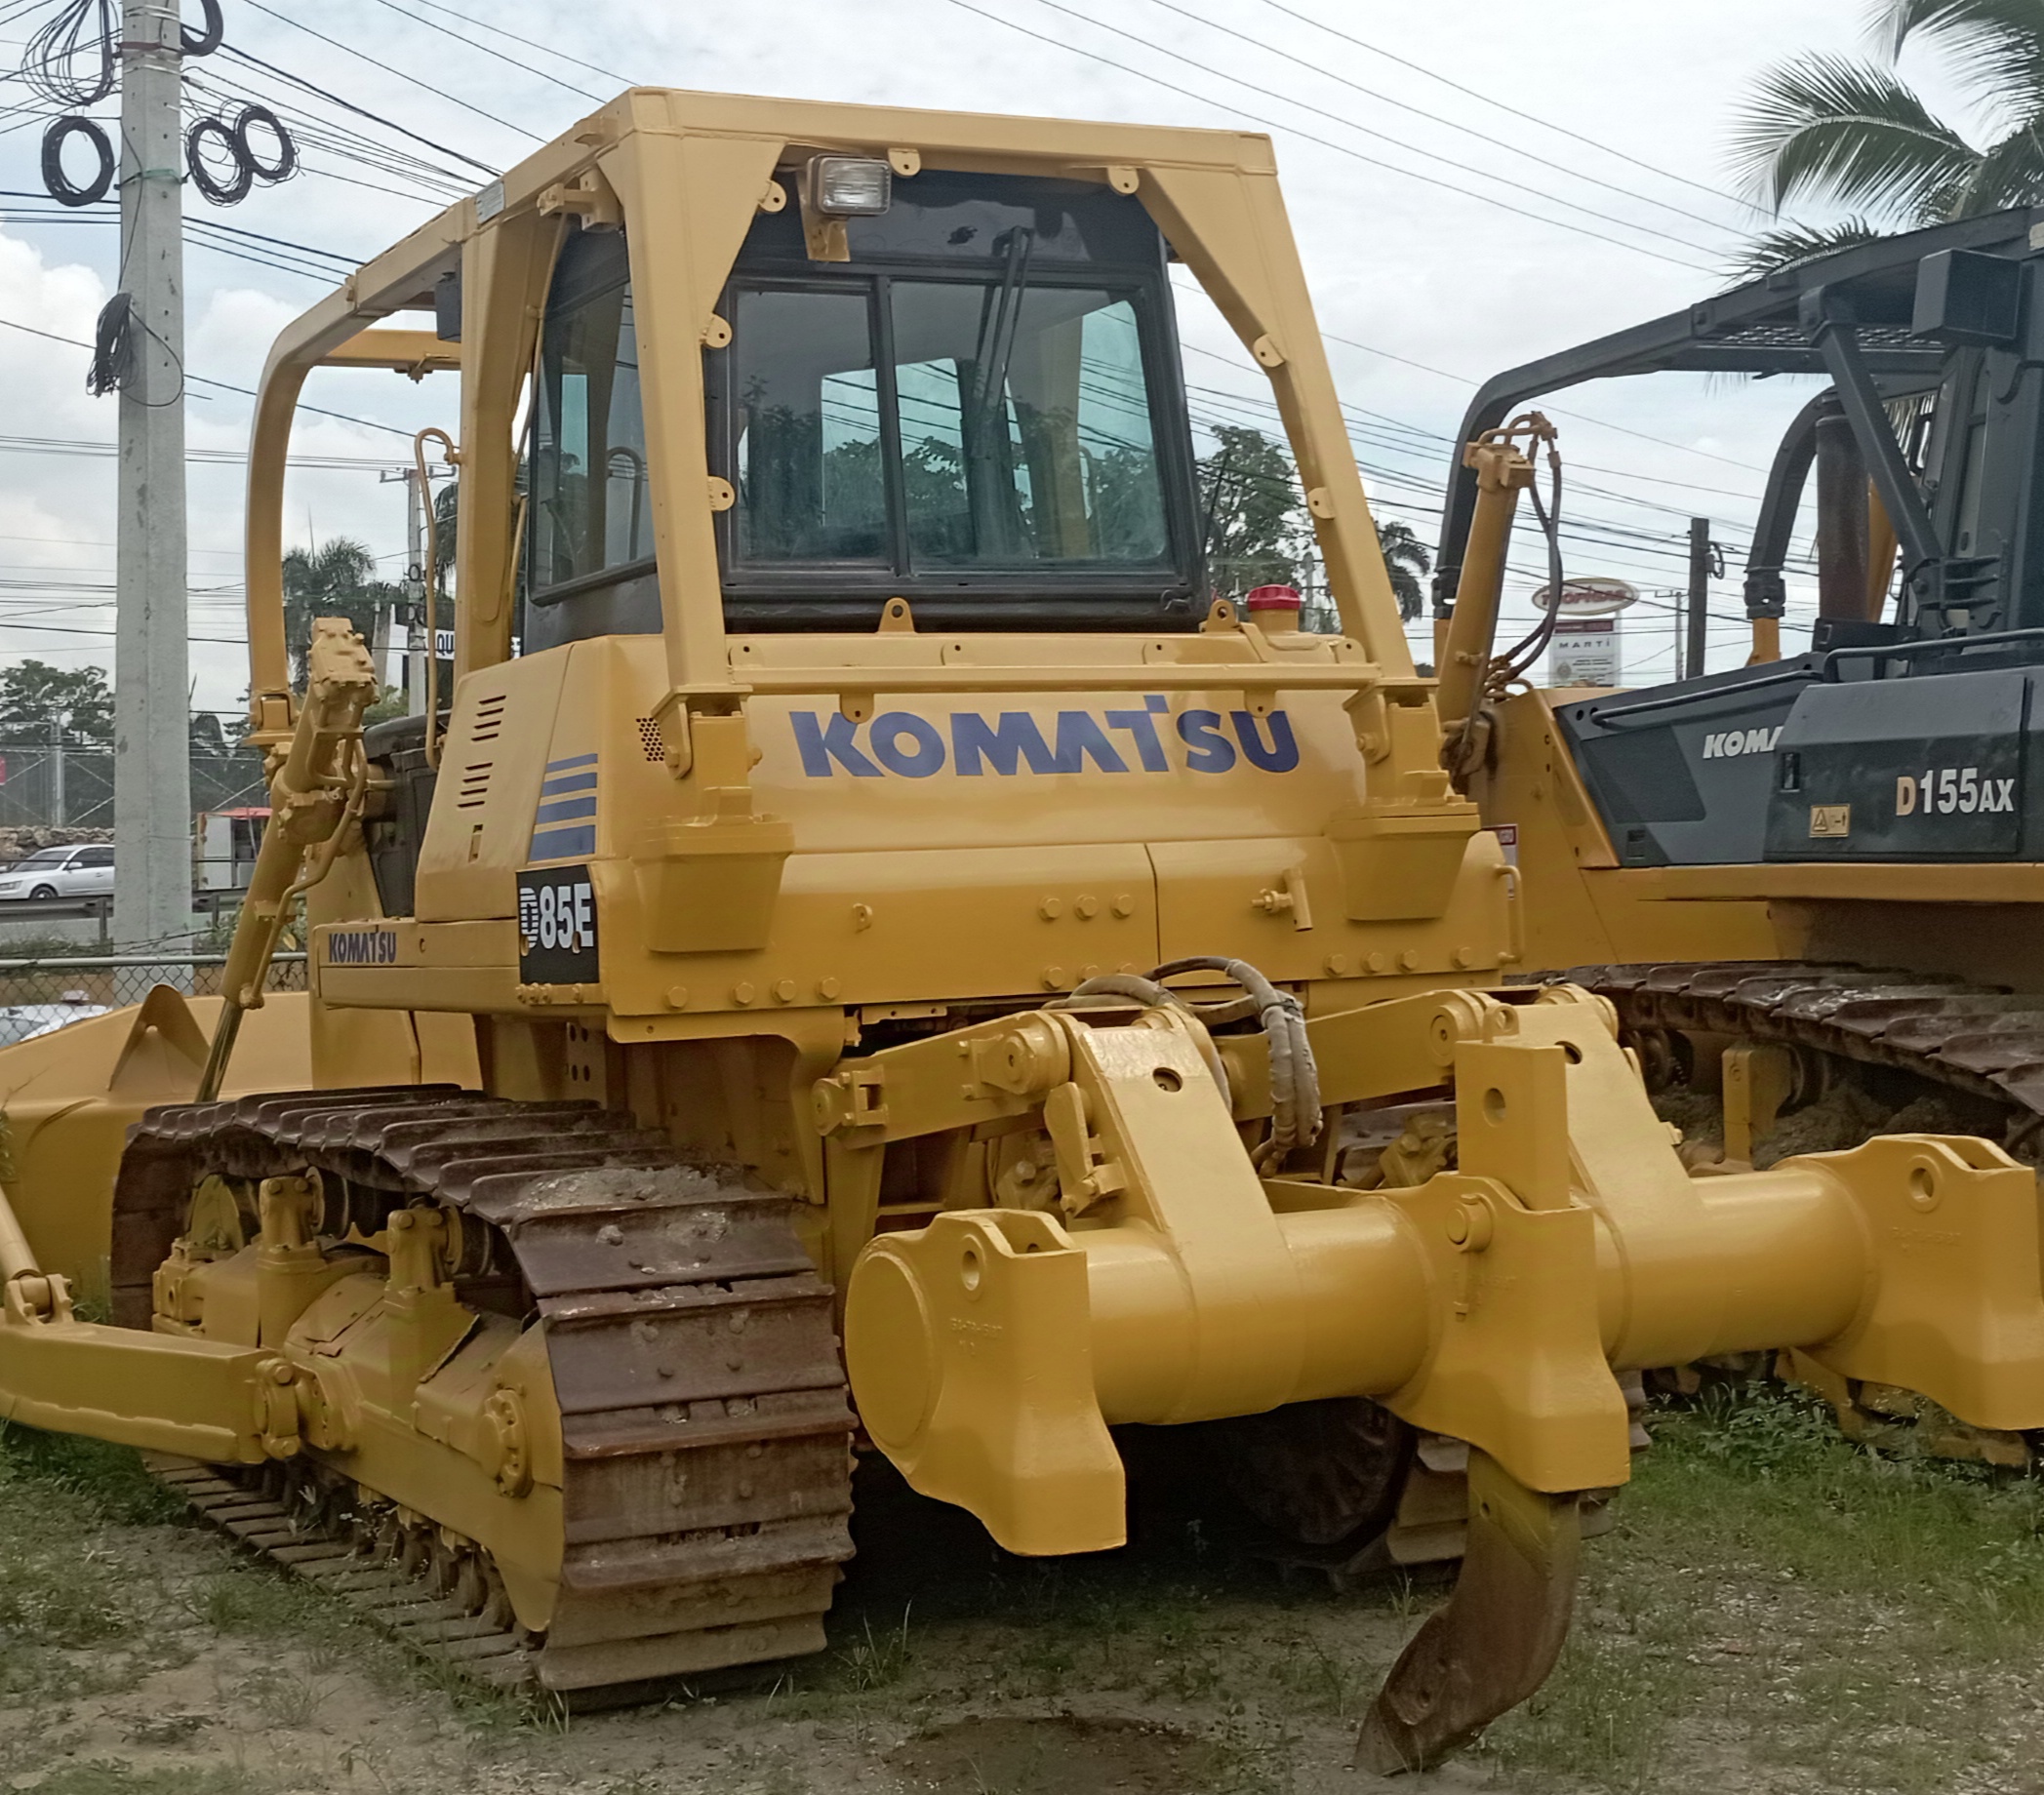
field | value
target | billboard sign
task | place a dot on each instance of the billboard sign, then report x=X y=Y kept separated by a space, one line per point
x=1585 y=652
x=1592 y=596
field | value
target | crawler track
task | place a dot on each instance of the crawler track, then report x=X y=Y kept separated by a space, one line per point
x=707 y=1477
x=291 y=1535
x=1980 y=1040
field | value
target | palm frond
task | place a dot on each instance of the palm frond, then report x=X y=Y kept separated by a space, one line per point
x=1831 y=128
x=1995 y=47
x=2010 y=174
x=1795 y=244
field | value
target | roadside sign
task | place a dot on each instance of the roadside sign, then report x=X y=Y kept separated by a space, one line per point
x=1585 y=652
x=1592 y=596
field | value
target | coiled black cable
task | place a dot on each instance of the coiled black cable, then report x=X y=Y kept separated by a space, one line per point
x=207 y=38
x=286 y=161
x=232 y=191
x=59 y=185
x=245 y=166
x=69 y=61
x=113 y=347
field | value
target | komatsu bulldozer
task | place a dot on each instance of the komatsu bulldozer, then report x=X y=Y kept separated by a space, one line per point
x=1810 y=884
x=873 y=955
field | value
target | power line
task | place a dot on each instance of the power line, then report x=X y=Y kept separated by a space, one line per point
x=355 y=154
x=1391 y=99
x=1449 y=442
x=199 y=379
x=407 y=13
x=107 y=206
x=1309 y=137
x=594 y=68
x=1464 y=379
x=1531 y=118
x=338 y=130
x=391 y=69
x=333 y=98
x=326 y=464
x=261 y=258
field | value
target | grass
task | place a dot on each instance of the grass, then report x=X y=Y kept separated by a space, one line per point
x=1775 y=1612
x=1829 y=1618
x=60 y=1599
x=90 y=1606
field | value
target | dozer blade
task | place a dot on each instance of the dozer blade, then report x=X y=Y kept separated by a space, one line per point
x=1497 y=1638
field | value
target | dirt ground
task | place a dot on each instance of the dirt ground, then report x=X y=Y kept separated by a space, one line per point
x=1773 y=1613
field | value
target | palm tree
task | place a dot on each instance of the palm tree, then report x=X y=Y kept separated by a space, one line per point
x=1847 y=130
x=1406 y=560
x=337 y=578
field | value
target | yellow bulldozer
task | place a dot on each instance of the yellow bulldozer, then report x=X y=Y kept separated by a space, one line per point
x=874 y=956
x=1808 y=883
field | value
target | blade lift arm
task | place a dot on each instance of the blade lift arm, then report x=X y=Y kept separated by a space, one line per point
x=1503 y=462
x=316 y=794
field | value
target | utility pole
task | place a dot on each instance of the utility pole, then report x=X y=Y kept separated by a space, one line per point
x=151 y=738
x=1699 y=572
x=57 y=818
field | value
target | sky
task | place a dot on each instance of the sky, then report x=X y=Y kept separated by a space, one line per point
x=1472 y=185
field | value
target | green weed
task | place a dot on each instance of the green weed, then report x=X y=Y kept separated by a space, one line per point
x=1770 y=1590
x=876 y=1660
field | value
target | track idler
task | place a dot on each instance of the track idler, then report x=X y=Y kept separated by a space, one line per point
x=1167 y=1280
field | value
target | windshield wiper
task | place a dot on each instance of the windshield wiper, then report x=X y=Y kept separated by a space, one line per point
x=990 y=480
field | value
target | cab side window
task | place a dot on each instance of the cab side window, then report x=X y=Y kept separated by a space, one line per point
x=590 y=542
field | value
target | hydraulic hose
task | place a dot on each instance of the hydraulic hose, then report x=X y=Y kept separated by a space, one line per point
x=1294 y=1079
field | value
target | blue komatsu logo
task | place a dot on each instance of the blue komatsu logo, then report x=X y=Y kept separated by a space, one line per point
x=1014 y=741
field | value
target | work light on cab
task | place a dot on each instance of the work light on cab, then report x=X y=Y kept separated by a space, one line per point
x=850 y=186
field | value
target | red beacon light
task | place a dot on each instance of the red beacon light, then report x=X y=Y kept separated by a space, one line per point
x=1276 y=607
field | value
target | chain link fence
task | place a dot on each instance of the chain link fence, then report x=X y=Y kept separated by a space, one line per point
x=49 y=784
x=56 y=988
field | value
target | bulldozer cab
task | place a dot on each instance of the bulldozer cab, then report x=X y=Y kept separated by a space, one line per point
x=821 y=467
x=1925 y=438
x=736 y=368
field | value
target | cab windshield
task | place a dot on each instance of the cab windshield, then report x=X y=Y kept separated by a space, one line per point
x=980 y=408
x=1019 y=420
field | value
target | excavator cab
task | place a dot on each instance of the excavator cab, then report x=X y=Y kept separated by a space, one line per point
x=1925 y=445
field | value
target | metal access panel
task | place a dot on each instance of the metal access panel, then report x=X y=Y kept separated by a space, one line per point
x=1924 y=769
x=1682 y=773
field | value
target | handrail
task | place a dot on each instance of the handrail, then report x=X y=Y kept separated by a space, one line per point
x=1908 y=651
x=1808 y=675
x=1173 y=676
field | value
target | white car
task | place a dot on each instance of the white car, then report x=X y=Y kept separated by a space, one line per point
x=25 y=1022
x=84 y=871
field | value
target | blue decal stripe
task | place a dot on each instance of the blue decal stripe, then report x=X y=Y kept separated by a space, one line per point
x=563 y=810
x=568 y=781
x=573 y=760
x=563 y=844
